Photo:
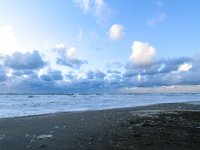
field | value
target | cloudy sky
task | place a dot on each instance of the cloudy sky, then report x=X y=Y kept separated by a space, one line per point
x=99 y=45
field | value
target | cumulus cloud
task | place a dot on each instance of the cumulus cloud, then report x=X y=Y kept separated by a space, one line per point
x=144 y=71
x=142 y=54
x=159 y=67
x=52 y=75
x=67 y=58
x=173 y=64
x=156 y=19
x=98 y=81
x=184 y=67
x=95 y=75
x=22 y=61
x=28 y=72
x=116 y=32
x=21 y=72
x=173 y=77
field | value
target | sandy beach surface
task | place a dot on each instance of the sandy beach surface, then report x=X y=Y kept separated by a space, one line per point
x=162 y=126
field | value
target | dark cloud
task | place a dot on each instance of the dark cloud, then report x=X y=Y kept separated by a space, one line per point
x=191 y=77
x=3 y=76
x=23 y=61
x=53 y=82
x=52 y=75
x=157 y=67
x=66 y=58
x=71 y=76
x=172 y=64
x=71 y=62
x=163 y=72
x=113 y=72
x=32 y=84
x=90 y=75
x=95 y=75
x=22 y=72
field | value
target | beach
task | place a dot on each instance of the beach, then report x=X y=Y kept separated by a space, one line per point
x=160 y=126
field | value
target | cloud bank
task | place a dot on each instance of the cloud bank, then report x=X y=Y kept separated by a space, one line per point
x=31 y=72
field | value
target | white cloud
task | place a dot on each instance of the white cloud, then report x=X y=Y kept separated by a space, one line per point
x=142 y=53
x=139 y=77
x=83 y=4
x=66 y=57
x=71 y=52
x=157 y=18
x=116 y=32
x=98 y=8
x=185 y=67
x=102 y=11
x=99 y=4
x=8 y=40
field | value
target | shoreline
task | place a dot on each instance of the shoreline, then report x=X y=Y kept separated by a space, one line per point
x=160 y=126
x=193 y=103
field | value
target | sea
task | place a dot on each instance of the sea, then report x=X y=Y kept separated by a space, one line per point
x=15 y=105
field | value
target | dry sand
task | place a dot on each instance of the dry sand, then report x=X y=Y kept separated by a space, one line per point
x=163 y=126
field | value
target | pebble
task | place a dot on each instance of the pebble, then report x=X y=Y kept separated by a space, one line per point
x=29 y=147
x=2 y=137
x=43 y=146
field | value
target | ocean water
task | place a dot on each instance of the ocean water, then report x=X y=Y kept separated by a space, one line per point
x=25 y=105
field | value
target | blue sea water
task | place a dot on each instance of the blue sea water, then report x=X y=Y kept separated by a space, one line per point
x=25 y=105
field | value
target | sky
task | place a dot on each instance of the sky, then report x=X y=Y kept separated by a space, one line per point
x=74 y=46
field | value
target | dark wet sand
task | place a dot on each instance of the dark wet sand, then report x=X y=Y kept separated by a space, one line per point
x=164 y=126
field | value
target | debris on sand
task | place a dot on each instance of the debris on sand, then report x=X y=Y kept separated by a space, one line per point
x=45 y=136
x=43 y=146
x=2 y=137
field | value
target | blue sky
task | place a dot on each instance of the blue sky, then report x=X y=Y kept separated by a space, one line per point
x=98 y=45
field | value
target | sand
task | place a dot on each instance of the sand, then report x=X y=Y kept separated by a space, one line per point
x=163 y=126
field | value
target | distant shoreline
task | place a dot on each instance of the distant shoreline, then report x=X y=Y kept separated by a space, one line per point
x=192 y=104
x=102 y=93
